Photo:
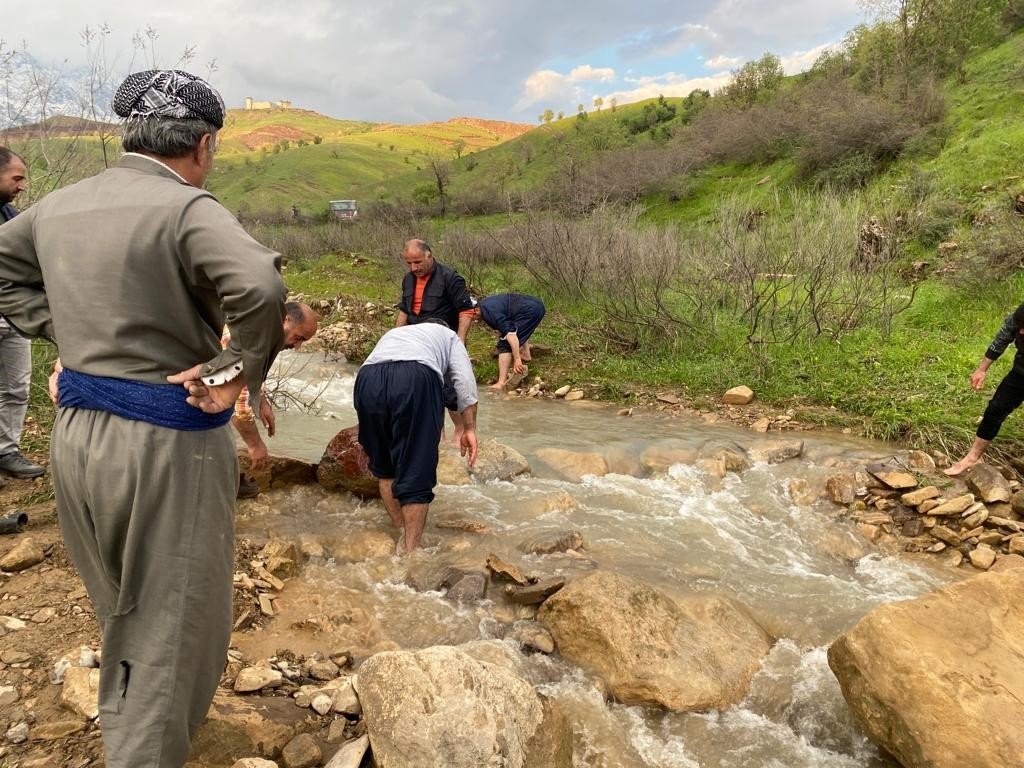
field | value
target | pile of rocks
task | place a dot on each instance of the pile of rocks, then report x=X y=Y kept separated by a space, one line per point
x=977 y=519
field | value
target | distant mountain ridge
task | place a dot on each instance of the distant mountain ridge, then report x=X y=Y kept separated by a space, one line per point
x=33 y=91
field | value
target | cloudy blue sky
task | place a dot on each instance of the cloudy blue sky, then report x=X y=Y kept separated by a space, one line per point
x=408 y=62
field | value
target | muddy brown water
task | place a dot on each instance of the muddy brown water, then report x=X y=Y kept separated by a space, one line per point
x=798 y=568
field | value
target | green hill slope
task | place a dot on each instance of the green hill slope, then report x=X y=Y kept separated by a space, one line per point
x=272 y=159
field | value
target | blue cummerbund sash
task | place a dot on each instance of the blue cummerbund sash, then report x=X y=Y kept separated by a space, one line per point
x=160 y=404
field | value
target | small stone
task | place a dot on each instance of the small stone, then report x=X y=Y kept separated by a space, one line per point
x=323 y=670
x=504 y=570
x=533 y=635
x=535 y=594
x=302 y=752
x=345 y=700
x=1015 y=546
x=254 y=762
x=11 y=623
x=891 y=477
x=927 y=506
x=8 y=695
x=1002 y=522
x=576 y=394
x=18 y=733
x=914 y=498
x=560 y=542
x=563 y=391
x=973 y=520
x=24 y=554
x=81 y=692
x=624 y=412
x=668 y=397
x=14 y=656
x=322 y=703
x=266 y=605
x=921 y=461
x=43 y=615
x=740 y=395
x=253 y=679
x=942 y=533
x=954 y=558
x=953 y=507
x=842 y=489
x=982 y=557
x=761 y=425
x=468 y=589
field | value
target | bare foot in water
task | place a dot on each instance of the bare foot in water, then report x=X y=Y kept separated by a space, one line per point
x=497 y=387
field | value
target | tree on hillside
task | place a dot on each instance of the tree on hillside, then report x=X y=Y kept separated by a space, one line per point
x=613 y=103
x=934 y=36
x=458 y=147
x=440 y=169
x=754 y=81
x=598 y=103
x=560 y=115
x=548 y=116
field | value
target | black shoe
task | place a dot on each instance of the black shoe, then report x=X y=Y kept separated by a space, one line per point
x=16 y=465
x=247 y=489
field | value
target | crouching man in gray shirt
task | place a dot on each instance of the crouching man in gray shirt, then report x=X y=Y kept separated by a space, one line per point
x=400 y=403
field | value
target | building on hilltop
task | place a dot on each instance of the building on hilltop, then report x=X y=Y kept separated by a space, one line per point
x=253 y=105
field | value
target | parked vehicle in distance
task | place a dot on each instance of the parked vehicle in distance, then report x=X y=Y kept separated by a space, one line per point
x=344 y=209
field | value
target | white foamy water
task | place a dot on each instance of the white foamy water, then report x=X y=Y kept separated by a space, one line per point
x=799 y=569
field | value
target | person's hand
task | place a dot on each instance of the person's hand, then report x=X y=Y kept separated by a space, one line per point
x=267 y=415
x=468 y=446
x=518 y=366
x=259 y=457
x=208 y=399
x=51 y=383
x=977 y=380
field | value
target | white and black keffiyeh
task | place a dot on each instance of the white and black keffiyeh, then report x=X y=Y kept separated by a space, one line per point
x=168 y=93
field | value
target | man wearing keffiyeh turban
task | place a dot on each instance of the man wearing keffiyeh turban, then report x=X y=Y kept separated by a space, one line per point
x=133 y=273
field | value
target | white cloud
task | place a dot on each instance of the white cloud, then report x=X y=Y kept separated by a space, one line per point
x=549 y=88
x=669 y=84
x=723 y=62
x=800 y=61
x=586 y=72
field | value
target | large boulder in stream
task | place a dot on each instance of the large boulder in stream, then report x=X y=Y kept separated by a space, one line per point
x=939 y=681
x=573 y=465
x=346 y=467
x=442 y=706
x=696 y=654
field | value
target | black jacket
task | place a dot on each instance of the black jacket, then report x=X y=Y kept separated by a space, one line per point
x=445 y=296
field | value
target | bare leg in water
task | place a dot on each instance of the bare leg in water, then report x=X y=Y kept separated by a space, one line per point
x=410 y=519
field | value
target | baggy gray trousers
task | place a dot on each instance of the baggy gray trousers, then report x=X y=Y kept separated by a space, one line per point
x=147 y=515
x=15 y=378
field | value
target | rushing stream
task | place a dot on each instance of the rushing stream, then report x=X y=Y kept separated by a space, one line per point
x=798 y=568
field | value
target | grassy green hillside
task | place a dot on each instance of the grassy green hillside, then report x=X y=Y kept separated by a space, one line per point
x=273 y=159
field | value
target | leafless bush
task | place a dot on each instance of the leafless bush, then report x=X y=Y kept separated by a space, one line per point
x=377 y=236
x=799 y=275
x=993 y=252
x=620 y=271
x=849 y=135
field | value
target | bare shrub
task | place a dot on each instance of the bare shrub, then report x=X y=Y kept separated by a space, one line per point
x=849 y=135
x=622 y=272
x=799 y=275
x=991 y=253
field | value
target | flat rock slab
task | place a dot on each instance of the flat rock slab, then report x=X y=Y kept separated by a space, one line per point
x=988 y=484
x=892 y=477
